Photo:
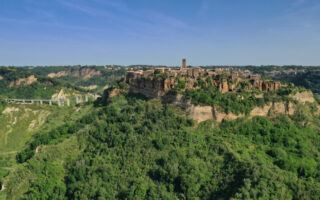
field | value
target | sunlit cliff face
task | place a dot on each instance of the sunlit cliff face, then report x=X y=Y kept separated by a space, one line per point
x=157 y=82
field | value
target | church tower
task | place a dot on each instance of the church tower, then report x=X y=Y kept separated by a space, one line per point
x=184 y=64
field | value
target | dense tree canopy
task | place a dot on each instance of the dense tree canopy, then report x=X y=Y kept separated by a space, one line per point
x=137 y=149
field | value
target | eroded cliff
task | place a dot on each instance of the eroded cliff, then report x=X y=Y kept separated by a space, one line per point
x=23 y=81
x=82 y=73
x=203 y=113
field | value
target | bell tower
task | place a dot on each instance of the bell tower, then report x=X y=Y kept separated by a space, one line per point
x=184 y=64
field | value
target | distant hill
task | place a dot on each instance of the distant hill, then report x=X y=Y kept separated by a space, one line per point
x=43 y=82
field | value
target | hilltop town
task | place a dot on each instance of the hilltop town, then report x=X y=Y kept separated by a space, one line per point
x=156 y=82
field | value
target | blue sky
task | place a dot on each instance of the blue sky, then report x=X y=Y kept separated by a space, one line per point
x=220 y=32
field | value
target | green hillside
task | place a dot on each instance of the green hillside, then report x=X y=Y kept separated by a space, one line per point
x=131 y=147
x=138 y=149
x=20 y=122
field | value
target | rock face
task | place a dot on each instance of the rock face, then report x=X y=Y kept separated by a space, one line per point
x=60 y=96
x=85 y=73
x=82 y=73
x=274 y=109
x=58 y=74
x=304 y=97
x=260 y=111
x=151 y=88
x=109 y=93
x=115 y=92
x=265 y=85
x=1 y=78
x=224 y=87
x=201 y=113
x=204 y=113
x=157 y=82
x=23 y=81
x=220 y=116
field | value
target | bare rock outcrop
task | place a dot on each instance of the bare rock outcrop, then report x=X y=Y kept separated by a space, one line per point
x=204 y=113
x=151 y=87
x=110 y=93
x=304 y=97
x=275 y=108
x=278 y=108
x=224 y=87
x=84 y=73
x=261 y=111
x=58 y=74
x=60 y=96
x=291 y=108
x=219 y=116
x=201 y=113
x=24 y=81
x=115 y=92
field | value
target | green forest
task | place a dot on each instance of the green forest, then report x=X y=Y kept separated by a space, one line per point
x=138 y=149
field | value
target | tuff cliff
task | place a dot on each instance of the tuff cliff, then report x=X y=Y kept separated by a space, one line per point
x=158 y=82
x=204 y=113
x=23 y=81
x=151 y=87
x=304 y=97
x=201 y=113
x=169 y=85
x=82 y=73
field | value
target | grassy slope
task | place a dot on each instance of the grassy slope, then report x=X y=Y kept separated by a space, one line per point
x=19 y=125
x=55 y=156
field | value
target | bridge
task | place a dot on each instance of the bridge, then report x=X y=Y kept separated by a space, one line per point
x=60 y=102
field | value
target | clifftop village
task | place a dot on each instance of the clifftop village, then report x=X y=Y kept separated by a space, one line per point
x=225 y=79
